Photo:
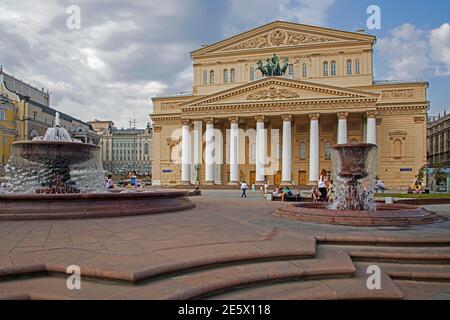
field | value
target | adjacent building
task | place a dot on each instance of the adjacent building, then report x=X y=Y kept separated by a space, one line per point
x=124 y=150
x=439 y=141
x=25 y=113
x=439 y=151
x=237 y=125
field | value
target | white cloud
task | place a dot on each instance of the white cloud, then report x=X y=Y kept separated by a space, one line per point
x=411 y=53
x=122 y=55
x=406 y=53
x=440 y=48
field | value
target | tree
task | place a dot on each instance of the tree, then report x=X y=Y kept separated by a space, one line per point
x=440 y=176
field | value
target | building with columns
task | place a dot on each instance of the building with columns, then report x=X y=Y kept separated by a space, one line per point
x=237 y=125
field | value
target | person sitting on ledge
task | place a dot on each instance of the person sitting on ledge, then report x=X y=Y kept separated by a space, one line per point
x=288 y=191
x=279 y=192
x=315 y=194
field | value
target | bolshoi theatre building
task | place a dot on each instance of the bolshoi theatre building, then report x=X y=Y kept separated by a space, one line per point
x=238 y=125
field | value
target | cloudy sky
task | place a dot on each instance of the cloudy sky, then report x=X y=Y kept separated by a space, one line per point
x=129 y=51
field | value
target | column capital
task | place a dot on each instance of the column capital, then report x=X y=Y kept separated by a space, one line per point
x=342 y=115
x=185 y=122
x=286 y=117
x=314 y=116
x=157 y=129
x=234 y=119
x=371 y=113
x=260 y=118
x=209 y=120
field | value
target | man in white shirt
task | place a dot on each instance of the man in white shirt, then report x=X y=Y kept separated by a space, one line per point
x=244 y=188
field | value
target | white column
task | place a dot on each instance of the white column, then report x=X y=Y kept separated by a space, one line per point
x=286 y=170
x=209 y=151
x=342 y=127
x=218 y=156
x=260 y=149
x=185 y=152
x=314 y=147
x=234 y=150
x=197 y=149
x=371 y=127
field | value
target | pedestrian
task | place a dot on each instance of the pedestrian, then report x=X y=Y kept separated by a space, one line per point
x=323 y=185
x=244 y=188
x=109 y=182
x=133 y=180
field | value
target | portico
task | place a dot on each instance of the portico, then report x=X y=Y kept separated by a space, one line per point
x=256 y=143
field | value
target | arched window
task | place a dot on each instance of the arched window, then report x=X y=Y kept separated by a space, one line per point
x=225 y=76
x=211 y=77
x=325 y=69
x=304 y=70
x=349 y=67
x=252 y=74
x=232 y=75
x=205 y=77
x=327 y=149
x=146 y=149
x=333 y=68
x=291 y=70
x=302 y=151
x=357 y=66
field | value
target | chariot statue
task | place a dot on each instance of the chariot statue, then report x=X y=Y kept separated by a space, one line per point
x=273 y=66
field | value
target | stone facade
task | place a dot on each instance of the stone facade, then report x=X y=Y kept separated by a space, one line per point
x=124 y=150
x=239 y=126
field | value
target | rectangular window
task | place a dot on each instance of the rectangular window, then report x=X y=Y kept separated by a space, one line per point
x=2 y=115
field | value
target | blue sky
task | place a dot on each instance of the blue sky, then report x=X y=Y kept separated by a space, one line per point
x=129 y=51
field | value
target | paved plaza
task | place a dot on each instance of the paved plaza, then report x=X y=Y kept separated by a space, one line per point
x=225 y=248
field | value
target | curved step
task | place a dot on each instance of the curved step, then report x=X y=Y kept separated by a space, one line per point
x=194 y=285
x=354 y=288
x=105 y=266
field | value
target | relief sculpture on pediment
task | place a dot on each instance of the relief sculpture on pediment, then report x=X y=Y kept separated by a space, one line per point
x=273 y=93
x=278 y=38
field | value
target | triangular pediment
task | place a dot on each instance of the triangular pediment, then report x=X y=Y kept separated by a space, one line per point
x=278 y=89
x=280 y=34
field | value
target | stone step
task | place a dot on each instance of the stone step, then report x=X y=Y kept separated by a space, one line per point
x=354 y=288
x=420 y=290
x=191 y=285
x=180 y=259
x=414 y=255
x=415 y=272
x=383 y=241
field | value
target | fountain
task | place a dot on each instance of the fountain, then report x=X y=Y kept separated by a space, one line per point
x=57 y=177
x=354 y=167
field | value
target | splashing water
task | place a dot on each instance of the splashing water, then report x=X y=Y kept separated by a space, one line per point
x=354 y=168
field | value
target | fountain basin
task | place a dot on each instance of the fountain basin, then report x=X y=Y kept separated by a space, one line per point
x=91 y=205
x=385 y=215
x=55 y=152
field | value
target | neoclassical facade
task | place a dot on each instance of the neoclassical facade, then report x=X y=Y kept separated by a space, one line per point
x=237 y=125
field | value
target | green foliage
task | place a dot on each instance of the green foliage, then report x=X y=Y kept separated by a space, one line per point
x=273 y=67
x=440 y=176
x=421 y=175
